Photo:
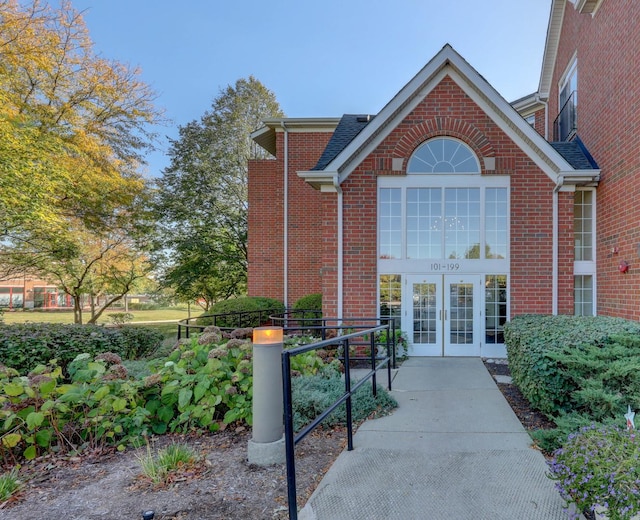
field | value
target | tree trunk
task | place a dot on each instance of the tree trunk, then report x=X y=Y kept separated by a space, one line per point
x=77 y=309
x=107 y=303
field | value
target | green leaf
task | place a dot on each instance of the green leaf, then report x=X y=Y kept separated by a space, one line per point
x=184 y=398
x=46 y=387
x=11 y=440
x=101 y=392
x=13 y=389
x=200 y=389
x=159 y=428
x=119 y=404
x=30 y=453
x=43 y=438
x=34 y=419
x=165 y=414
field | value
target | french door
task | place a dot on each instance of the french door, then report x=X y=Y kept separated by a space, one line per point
x=442 y=314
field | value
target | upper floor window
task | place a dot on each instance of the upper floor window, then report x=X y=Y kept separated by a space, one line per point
x=443 y=155
x=565 y=124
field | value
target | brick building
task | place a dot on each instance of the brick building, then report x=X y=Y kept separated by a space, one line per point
x=454 y=210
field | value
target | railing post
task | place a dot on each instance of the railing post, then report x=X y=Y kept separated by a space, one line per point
x=289 y=439
x=347 y=387
x=373 y=355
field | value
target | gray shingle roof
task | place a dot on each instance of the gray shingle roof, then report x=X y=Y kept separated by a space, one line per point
x=349 y=127
x=576 y=154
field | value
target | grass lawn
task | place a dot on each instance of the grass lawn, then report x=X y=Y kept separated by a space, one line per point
x=175 y=314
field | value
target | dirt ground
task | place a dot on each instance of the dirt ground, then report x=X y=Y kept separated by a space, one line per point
x=221 y=485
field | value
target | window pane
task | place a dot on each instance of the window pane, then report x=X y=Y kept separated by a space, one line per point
x=495 y=307
x=424 y=223
x=462 y=223
x=583 y=225
x=583 y=295
x=390 y=297
x=390 y=222
x=496 y=222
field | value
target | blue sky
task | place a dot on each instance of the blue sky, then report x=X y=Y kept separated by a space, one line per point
x=319 y=58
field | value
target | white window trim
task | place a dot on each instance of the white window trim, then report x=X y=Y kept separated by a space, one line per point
x=589 y=267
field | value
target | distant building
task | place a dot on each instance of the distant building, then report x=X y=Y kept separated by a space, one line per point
x=32 y=293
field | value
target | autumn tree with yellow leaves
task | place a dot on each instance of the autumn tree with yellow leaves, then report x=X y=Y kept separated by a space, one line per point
x=73 y=133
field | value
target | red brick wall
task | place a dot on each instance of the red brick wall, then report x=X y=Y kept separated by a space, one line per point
x=531 y=202
x=266 y=217
x=608 y=54
x=265 y=240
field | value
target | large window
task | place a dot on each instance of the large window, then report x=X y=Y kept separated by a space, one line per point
x=443 y=223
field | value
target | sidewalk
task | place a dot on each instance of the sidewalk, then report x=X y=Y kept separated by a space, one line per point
x=453 y=449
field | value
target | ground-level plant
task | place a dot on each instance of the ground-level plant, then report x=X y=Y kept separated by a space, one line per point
x=599 y=468
x=158 y=468
x=9 y=484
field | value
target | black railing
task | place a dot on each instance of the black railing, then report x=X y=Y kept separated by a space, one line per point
x=346 y=342
x=227 y=321
x=301 y=322
x=565 y=125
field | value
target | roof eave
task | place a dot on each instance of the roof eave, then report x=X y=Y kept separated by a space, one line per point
x=551 y=47
x=580 y=177
x=321 y=180
x=266 y=136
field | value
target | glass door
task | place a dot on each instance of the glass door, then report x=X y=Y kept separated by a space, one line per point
x=422 y=316
x=442 y=313
x=462 y=316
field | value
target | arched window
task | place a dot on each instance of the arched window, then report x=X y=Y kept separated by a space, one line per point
x=443 y=155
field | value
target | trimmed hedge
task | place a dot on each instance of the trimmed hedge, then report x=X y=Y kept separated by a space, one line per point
x=245 y=304
x=547 y=354
x=25 y=346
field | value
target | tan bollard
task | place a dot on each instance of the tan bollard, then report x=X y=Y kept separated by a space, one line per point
x=267 y=444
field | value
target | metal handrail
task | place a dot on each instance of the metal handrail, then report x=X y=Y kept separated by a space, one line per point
x=244 y=319
x=290 y=438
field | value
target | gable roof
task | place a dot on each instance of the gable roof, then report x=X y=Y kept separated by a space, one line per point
x=348 y=128
x=447 y=63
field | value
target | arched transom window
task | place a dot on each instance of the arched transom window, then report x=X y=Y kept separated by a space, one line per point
x=443 y=155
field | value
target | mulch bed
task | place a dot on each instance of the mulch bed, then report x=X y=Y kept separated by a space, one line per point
x=530 y=418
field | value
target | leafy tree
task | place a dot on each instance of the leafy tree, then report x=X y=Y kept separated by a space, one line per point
x=73 y=127
x=102 y=267
x=202 y=196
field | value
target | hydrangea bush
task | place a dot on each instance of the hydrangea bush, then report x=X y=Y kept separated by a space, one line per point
x=599 y=469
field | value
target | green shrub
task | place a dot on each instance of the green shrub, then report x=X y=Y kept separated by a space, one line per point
x=139 y=341
x=246 y=304
x=308 y=307
x=313 y=394
x=534 y=344
x=120 y=318
x=598 y=468
x=25 y=346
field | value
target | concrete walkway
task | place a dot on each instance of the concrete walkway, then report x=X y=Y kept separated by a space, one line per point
x=453 y=449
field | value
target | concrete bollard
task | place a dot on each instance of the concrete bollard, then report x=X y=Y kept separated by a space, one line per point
x=267 y=444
